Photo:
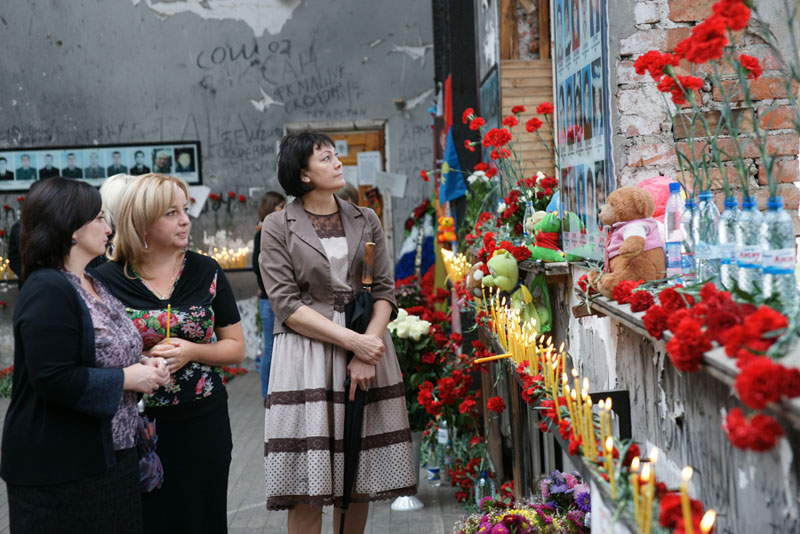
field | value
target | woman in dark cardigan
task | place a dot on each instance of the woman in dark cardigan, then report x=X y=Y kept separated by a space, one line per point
x=68 y=451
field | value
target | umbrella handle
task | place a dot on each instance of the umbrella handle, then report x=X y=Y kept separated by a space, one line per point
x=369 y=265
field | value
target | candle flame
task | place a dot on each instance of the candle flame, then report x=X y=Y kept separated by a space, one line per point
x=572 y=394
x=686 y=473
x=561 y=347
x=635 y=464
x=564 y=378
x=574 y=373
x=609 y=444
x=602 y=405
x=654 y=455
x=708 y=521
x=645 y=476
x=608 y=404
x=585 y=383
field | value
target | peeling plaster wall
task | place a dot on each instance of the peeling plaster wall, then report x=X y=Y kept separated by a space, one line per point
x=682 y=414
x=487 y=25
x=230 y=73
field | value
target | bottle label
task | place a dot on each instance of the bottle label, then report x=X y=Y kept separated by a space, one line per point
x=706 y=251
x=728 y=254
x=433 y=474
x=749 y=257
x=673 y=255
x=779 y=261
x=687 y=262
x=441 y=436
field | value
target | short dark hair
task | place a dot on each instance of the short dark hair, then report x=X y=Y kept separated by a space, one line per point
x=295 y=150
x=116 y=152
x=50 y=214
x=3 y=159
x=137 y=153
x=71 y=154
x=268 y=203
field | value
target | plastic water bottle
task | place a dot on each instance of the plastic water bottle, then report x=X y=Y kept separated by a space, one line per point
x=434 y=475
x=687 y=248
x=778 y=255
x=484 y=487
x=674 y=241
x=748 y=248
x=706 y=239
x=529 y=211
x=728 y=259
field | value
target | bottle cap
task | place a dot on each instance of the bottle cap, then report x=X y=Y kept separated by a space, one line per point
x=484 y=473
x=775 y=203
x=705 y=195
x=748 y=203
x=730 y=202
x=674 y=187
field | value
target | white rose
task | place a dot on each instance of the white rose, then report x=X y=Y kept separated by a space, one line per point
x=417 y=329
x=501 y=207
x=477 y=175
x=539 y=175
x=530 y=193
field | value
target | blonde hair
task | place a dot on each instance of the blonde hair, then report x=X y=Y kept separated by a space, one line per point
x=112 y=192
x=146 y=199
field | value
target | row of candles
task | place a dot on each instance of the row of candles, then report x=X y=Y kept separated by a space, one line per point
x=229 y=258
x=456 y=265
x=522 y=343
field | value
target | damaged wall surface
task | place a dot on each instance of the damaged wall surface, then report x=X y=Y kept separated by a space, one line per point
x=229 y=73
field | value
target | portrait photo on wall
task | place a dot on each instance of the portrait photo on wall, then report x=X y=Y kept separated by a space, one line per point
x=20 y=167
x=588 y=116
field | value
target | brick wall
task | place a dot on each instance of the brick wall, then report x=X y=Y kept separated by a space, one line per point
x=644 y=144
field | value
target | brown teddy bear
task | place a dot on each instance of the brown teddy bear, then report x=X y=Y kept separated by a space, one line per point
x=635 y=245
x=475 y=279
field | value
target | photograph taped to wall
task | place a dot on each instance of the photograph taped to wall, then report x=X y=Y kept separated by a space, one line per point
x=21 y=166
x=583 y=140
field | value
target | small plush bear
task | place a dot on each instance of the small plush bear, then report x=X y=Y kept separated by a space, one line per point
x=635 y=245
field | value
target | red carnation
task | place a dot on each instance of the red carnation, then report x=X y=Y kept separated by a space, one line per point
x=467 y=406
x=733 y=12
x=491 y=172
x=481 y=167
x=476 y=123
x=429 y=358
x=6 y=207
x=706 y=42
x=622 y=291
x=533 y=124
x=641 y=301
x=242 y=199
x=655 y=63
x=686 y=348
x=521 y=253
x=671 y=515
x=671 y=300
x=467 y=115
x=215 y=197
x=760 y=382
x=20 y=199
x=510 y=121
x=496 y=404
x=758 y=433
x=231 y=194
x=752 y=65
x=545 y=108
x=424 y=175
x=516 y=110
x=468 y=145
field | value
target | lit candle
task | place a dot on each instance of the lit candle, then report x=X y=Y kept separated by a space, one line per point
x=707 y=523
x=608 y=416
x=169 y=318
x=610 y=466
x=645 y=479
x=686 y=505
x=589 y=437
x=635 y=485
x=602 y=413
x=555 y=397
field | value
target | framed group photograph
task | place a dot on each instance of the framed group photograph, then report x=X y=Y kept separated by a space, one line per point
x=19 y=167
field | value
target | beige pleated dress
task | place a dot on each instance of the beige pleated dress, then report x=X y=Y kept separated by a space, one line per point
x=304 y=420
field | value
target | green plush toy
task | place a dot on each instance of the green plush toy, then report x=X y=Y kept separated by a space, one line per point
x=503 y=271
x=546 y=236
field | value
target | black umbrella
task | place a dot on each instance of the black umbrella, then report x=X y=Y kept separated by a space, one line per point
x=357 y=314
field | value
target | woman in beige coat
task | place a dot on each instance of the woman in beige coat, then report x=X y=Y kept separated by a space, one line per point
x=311 y=262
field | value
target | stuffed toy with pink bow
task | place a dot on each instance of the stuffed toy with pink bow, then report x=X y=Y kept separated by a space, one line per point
x=635 y=245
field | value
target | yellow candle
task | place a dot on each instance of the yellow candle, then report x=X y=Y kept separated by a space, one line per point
x=686 y=506
x=492 y=358
x=707 y=523
x=588 y=441
x=610 y=460
x=602 y=413
x=169 y=318
x=555 y=398
x=577 y=425
x=608 y=416
x=635 y=486
x=644 y=479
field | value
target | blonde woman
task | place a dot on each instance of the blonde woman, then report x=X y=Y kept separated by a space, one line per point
x=163 y=285
x=112 y=192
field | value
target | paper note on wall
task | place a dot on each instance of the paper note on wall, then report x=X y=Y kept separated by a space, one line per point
x=368 y=164
x=351 y=175
x=387 y=181
x=200 y=194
